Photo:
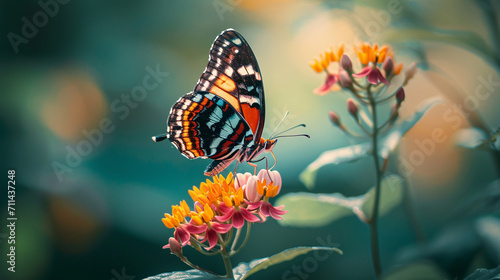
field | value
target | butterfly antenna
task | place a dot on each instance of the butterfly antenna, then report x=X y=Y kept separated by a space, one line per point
x=299 y=125
x=294 y=135
x=161 y=137
x=284 y=117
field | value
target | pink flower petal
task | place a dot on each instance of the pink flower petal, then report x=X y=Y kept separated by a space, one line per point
x=251 y=192
x=276 y=213
x=253 y=206
x=249 y=216
x=166 y=246
x=264 y=209
x=195 y=229
x=221 y=228
x=262 y=217
x=226 y=217
x=373 y=77
x=238 y=220
x=270 y=176
x=325 y=88
x=363 y=72
x=182 y=235
x=212 y=238
x=382 y=78
x=241 y=179
x=224 y=209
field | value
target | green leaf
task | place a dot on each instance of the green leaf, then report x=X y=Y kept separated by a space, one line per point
x=244 y=270
x=352 y=153
x=239 y=272
x=316 y=210
x=393 y=137
x=188 y=274
x=286 y=255
x=485 y=274
x=341 y=155
x=390 y=196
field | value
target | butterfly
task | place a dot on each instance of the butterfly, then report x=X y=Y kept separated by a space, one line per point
x=223 y=117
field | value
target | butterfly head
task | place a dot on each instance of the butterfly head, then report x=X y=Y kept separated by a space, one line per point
x=269 y=144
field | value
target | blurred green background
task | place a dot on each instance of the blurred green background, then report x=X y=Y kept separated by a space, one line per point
x=101 y=217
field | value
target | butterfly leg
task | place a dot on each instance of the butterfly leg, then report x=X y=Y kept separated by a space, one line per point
x=275 y=160
x=254 y=166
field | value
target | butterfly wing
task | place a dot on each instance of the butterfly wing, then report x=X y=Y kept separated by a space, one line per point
x=233 y=74
x=202 y=124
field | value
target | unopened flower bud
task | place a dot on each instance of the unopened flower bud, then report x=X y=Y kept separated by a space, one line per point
x=352 y=107
x=241 y=179
x=175 y=247
x=400 y=95
x=346 y=63
x=345 y=80
x=270 y=176
x=250 y=190
x=388 y=65
x=334 y=118
x=410 y=72
x=395 y=111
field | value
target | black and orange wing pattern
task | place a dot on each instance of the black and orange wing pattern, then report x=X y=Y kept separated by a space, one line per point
x=233 y=74
x=225 y=112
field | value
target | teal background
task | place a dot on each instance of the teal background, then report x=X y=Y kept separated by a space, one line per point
x=105 y=214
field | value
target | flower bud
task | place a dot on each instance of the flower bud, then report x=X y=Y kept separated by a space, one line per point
x=175 y=247
x=345 y=80
x=334 y=118
x=410 y=72
x=395 y=111
x=352 y=107
x=250 y=190
x=388 y=66
x=270 y=176
x=198 y=204
x=400 y=95
x=241 y=179
x=346 y=63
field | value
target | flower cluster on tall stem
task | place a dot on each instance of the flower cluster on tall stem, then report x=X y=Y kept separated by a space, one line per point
x=220 y=206
x=367 y=80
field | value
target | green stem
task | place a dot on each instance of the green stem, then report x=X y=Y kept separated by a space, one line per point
x=198 y=246
x=249 y=225
x=373 y=220
x=226 y=257
x=237 y=236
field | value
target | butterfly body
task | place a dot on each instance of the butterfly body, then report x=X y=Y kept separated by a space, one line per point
x=223 y=118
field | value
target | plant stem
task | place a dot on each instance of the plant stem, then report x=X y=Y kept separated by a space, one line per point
x=374 y=217
x=249 y=225
x=238 y=232
x=227 y=263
